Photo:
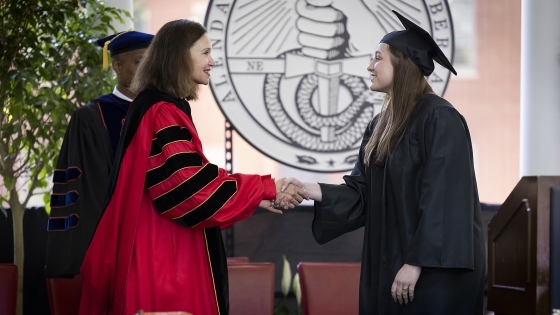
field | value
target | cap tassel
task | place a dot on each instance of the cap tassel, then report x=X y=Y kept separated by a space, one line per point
x=105 y=55
x=105 y=51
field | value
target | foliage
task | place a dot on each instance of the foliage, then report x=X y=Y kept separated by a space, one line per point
x=49 y=65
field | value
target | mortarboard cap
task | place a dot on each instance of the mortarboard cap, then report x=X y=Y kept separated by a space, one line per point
x=123 y=42
x=418 y=45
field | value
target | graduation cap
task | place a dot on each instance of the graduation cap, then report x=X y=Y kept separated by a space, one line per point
x=123 y=42
x=418 y=46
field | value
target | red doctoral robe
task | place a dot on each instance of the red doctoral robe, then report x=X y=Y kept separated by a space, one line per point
x=158 y=245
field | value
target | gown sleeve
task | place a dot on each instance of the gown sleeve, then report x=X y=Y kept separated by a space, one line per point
x=188 y=189
x=448 y=197
x=79 y=181
x=342 y=208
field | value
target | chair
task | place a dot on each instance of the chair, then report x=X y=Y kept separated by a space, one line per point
x=64 y=295
x=329 y=288
x=237 y=260
x=251 y=288
x=141 y=312
x=8 y=288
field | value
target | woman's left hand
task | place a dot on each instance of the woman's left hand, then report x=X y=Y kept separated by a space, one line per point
x=405 y=281
x=267 y=205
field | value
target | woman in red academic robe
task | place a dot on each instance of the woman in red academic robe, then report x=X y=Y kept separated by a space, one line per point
x=158 y=244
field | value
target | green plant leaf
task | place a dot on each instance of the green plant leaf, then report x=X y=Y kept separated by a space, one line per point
x=49 y=66
x=47 y=201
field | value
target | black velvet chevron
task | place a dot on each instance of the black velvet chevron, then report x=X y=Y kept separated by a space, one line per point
x=167 y=136
x=210 y=206
x=64 y=200
x=172 y=165
x=67 y=175
x=187 y=189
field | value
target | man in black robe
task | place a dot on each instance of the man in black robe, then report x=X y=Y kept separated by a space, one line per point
x=86 y=158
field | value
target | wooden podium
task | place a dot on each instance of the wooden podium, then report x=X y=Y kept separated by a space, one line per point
x=519 y=250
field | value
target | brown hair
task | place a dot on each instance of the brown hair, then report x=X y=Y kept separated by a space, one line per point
x=408 y=86
x=167 y=63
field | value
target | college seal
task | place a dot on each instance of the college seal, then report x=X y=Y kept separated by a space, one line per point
x=291 y=75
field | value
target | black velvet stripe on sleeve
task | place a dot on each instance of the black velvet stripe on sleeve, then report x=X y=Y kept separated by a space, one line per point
x=172 y=165
x=155 y=148
x=67 y=175
x=187 y=189
x=210 y=206
x=167 y=136
x=64 y=200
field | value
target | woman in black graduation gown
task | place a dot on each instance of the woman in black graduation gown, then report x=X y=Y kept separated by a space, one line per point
x=414 y=190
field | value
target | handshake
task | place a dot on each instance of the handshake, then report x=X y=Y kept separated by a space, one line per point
x=289 y=193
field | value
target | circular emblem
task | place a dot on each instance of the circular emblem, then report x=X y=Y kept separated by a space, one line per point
x=291 y=75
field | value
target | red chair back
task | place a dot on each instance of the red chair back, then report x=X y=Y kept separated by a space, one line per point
x=237 y=260
x=64 y=295
x=8 y=289
x=329 y=288
x=251 y=288
x=141 y=312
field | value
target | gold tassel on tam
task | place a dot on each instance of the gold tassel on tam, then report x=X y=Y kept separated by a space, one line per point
x=106 y=55
x=105 y=50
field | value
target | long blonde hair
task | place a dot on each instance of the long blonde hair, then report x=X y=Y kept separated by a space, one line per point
x=408 y=86
x=167 y=64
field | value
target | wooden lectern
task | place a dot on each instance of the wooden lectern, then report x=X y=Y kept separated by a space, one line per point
x=519 y=250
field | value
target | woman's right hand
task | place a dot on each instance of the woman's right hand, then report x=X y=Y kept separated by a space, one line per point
x=313 y=190
x=290 y=196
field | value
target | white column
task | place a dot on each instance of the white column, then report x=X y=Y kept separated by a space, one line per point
x=540 y=88
x=126 y=5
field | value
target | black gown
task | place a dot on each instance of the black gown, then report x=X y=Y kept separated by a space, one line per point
x=421 y=209
x=79 y=182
